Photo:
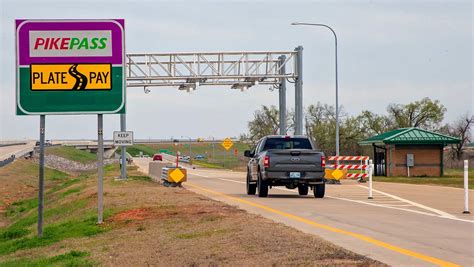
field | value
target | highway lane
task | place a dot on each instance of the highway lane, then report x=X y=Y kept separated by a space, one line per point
x=17 y=150
x=392 y=229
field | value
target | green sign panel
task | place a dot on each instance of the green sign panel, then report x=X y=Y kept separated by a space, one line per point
x=70 y=67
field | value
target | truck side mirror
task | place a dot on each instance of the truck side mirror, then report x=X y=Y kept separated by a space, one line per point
x=248 y=154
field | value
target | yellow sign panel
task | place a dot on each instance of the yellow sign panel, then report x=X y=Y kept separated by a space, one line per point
x=176 y=175
x=227 y=143
x=53 y=77
x=335 y=174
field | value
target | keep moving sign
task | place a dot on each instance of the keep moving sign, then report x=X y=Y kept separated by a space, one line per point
x=123 y=138
x=70 y=67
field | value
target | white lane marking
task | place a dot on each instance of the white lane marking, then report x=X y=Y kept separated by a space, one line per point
x=357 y=201
x=421 y=206
x=202 y=175
x=399 y=205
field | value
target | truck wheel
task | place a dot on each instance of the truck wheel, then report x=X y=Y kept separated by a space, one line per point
x=303 y=189
x=251 y=187
x=319 y=190
x=262 y=186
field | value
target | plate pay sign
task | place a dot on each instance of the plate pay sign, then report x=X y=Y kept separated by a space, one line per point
x=123 y=138
x=70 y=67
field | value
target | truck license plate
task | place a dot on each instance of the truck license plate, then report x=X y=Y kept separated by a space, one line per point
x=295 y=175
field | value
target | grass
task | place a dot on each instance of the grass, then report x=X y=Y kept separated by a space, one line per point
x=26 y=169
x=139 y=178
x=16 y=237
x=72 y=191
x=21 y=206
x=136 y=149
x=207 y=165
x=452 y=178
x=215 y=155
x=71 y=153
x=202 y=234
x=71 y=258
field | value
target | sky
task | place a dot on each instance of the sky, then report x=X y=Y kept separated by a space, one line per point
x=389 y=52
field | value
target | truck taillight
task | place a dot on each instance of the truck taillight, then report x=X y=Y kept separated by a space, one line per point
x=323 y=161
x=266 y=162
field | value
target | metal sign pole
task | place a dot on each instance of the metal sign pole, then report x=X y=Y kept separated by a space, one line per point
x=100 y=166
x=282 y=96
x=299 y=92
x=123 y=169
x=41 y=176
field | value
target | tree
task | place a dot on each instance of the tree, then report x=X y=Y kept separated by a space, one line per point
x=461 y=128
x=321 y=128
x=374 y=123
x=426 y=114
x=266 y=121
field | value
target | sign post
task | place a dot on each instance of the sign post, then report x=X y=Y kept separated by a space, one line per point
x=70 y=67
x=100 y=167
x=123 y=152
x=41 y=176
x=227 y=144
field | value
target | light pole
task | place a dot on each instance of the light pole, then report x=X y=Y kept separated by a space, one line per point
x=337 y=93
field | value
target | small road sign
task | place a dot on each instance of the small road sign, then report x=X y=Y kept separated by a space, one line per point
x=70 y=66
x=123 y=138
x=227 y=143
x=337 y=174
x=176 y=175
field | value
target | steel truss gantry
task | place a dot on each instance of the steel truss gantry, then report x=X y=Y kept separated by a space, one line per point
x=240 y=70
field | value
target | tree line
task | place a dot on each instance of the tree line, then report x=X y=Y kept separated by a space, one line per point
x=320 y=125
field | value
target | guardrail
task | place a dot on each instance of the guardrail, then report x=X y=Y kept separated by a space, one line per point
x=7 y=161
x=12 y=143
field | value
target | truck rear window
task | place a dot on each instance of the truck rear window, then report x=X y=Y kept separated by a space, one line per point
x=287 y=143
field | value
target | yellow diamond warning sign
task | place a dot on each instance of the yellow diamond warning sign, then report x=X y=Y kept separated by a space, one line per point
x=56 y=77
x=176 y=176
x=227 y=143
x=337 y=174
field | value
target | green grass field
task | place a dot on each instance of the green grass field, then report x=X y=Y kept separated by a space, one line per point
x=452 y=178
x=72 y=154
x=215 y=154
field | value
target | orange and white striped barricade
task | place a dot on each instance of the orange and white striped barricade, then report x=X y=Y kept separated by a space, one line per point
x=362 y=165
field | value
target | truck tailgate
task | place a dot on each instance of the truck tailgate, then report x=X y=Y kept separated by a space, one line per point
x=295 y=160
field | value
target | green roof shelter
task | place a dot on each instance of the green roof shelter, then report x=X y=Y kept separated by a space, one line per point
x=409 y=152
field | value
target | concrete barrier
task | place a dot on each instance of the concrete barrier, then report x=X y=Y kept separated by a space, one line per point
x=155 y=169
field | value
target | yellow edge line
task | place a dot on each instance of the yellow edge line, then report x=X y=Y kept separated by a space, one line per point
x=335 y=230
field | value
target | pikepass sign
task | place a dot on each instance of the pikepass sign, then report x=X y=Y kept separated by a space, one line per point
x=70 y=67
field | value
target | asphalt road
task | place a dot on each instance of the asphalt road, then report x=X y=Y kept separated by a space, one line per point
x=7 y=151
x=404 y=225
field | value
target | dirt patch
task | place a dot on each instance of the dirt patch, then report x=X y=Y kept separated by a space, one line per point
x=135 y=214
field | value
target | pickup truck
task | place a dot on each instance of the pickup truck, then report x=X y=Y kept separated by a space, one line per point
x=289 y=161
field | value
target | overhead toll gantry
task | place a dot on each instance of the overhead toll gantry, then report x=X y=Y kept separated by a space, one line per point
x=240 y=70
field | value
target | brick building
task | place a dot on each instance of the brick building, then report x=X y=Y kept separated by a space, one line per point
x=409 y=152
